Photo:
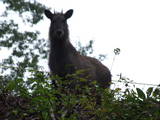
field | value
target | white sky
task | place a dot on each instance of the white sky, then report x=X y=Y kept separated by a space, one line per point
x=131 y=25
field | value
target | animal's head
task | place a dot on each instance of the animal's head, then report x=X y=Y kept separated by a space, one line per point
x=59 y=28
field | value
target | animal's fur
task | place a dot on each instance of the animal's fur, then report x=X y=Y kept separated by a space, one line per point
x=63 y=57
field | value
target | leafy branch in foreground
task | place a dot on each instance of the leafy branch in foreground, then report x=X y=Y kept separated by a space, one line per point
x=75 y=99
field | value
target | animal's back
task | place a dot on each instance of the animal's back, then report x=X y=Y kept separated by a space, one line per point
x=102 y=73
x=95 y=70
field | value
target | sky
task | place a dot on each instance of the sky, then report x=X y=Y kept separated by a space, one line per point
x=131 y=25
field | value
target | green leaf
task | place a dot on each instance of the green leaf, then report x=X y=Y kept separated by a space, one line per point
x=45 y=115
x=149 y=91
x=11 y=85
x=156 y=92
x=140 y=93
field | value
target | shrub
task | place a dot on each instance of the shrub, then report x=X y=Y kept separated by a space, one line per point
x=74 y=99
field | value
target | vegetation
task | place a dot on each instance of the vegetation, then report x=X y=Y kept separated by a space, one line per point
x=36 y=98
x=26 y=92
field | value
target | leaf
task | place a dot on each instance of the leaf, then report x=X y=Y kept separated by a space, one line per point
x=156 y=92
x=149 y=91
x=11 y=85
x=140 y=93
x=45 y=115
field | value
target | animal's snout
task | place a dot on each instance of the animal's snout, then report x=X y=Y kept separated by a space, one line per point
x=59 y=33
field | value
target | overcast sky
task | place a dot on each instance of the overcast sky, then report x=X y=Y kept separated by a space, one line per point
x=131 y=25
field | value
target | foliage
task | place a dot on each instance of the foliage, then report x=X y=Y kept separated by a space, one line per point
x=85 y=50
x=26 y=92
x=88 y=50
x=25 y=45
x=74 y=98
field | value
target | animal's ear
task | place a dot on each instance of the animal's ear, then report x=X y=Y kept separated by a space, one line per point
x=48 y=14
x=68 y=14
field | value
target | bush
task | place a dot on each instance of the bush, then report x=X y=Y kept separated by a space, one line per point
x=73 y=98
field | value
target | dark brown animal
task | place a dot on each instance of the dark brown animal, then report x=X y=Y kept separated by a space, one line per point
x=63 y=57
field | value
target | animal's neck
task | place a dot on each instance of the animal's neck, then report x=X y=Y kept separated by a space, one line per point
x=62 y=48
x=61 y=55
